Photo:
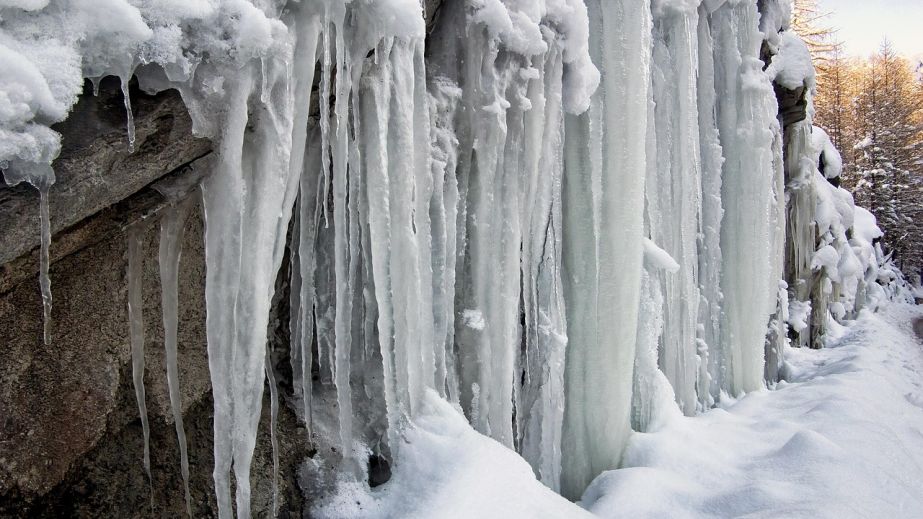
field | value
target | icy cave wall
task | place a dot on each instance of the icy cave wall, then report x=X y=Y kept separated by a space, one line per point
x=562 y=217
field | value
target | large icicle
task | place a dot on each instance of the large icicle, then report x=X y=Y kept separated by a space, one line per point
x=746 y=115
x=713 y=370
x=603 y=206
x=395 y=137
x=674 y=192
x=172 y=230
x=540 y=409
x=248 y=203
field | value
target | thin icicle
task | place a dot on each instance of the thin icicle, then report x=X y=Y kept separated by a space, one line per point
x=343 y=246
x=325 y=110
x=273 y=425
x=136 y=331
x=131 y=117
x=44 y=277
x=172 y=231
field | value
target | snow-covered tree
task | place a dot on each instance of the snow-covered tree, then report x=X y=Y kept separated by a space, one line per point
x=886 y=176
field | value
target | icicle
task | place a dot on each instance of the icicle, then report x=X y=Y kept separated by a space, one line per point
x=273 y=425
x=746 y=115
x=343 y=247
x=131 y=117
x=541 y=411
x=398 y=186
x=136 y=331
x=299 y=378
x=713 y=370
x=324 y=102
x=309 y=218
x=44 y=277
x=444 y=213
x=674 y=194
x=172 y=230
x=248 y=203
x=602 y=242
x=494 y=236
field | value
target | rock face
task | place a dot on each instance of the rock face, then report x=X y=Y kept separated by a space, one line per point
x=70 y=438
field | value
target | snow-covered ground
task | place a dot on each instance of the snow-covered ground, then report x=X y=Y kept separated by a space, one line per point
x=842 y=438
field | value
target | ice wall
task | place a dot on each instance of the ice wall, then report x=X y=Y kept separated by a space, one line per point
x=568 y=219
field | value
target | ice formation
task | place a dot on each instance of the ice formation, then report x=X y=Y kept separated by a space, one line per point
x=172 y=230
x=566 y=219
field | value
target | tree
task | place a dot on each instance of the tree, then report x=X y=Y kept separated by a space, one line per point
x=836 y=86
x=808 y=21
x=887 y=112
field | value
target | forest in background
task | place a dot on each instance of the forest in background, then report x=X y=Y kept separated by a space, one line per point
x=872 y=109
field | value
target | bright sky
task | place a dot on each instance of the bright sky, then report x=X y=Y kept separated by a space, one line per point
x=863 y=24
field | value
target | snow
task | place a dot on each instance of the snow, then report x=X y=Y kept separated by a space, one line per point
x=792 y=66
x=866 y=226
x=562 y=220
x=833 y=161
x=449 y=470
x=659 y=258
x=839 y=438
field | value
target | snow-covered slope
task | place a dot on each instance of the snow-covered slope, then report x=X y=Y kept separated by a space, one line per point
x=842 y=438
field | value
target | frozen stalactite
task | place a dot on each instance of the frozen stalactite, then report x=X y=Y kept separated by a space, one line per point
x=308 y=220
x=172 y=231
x=674 y=193
x=444 y=99
x=602 y=242
x=248 y=201
x=273 y=424
x=395 y=167
x=136 y=331
x=493 y=232
x=41 y=176
x=44 y=277
x=746 y=117
x=652 y=395
x=713 y=368
x=130 y=121
x=344 y=177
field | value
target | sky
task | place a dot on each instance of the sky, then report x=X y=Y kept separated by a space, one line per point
x=863 y=24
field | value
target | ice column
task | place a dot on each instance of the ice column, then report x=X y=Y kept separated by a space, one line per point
x=395 y=140
x=248 y=203
x=605 y=167
x=673 y=193
x=746 y=115
x=713 y=369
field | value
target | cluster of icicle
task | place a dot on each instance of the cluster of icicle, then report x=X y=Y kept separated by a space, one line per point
x=835 y=265
x=559 y=216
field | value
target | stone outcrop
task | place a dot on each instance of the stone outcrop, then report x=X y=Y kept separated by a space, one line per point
x=70 y=432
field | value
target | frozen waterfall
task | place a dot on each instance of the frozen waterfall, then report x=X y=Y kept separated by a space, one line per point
x=565 y=218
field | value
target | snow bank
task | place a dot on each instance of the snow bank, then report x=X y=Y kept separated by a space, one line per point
x=832 y=160
x=840 y=439
x=449 y=470
x=792 y=66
